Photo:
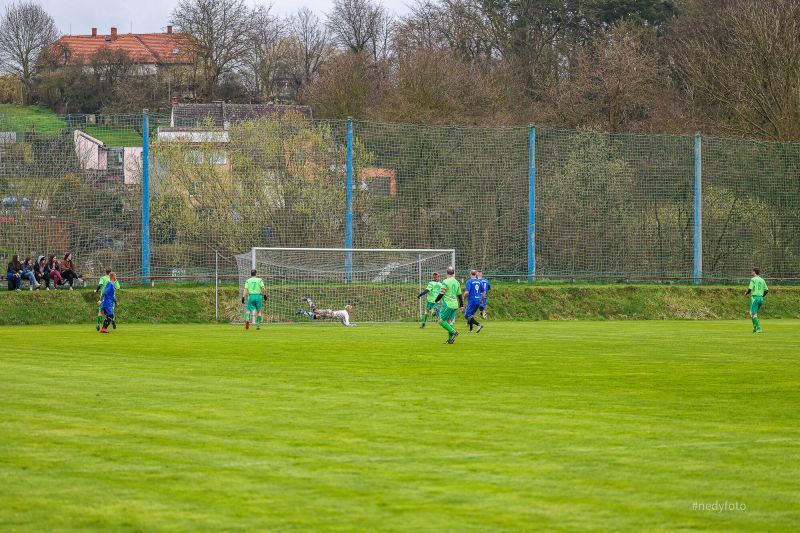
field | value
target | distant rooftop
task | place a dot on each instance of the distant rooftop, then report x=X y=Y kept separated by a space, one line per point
x=147 y=48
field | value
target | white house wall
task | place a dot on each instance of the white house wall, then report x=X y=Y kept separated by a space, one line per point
x=193 y=136
x=91 y=152
x=132 y=166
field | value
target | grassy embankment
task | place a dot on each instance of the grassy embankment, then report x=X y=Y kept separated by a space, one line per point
x=175 y=304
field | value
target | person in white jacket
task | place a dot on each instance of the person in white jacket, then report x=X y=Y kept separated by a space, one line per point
x=317 y=314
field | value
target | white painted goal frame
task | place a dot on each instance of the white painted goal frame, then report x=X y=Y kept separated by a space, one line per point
x=422 y=273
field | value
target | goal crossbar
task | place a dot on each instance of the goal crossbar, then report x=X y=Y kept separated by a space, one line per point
x=451 y=251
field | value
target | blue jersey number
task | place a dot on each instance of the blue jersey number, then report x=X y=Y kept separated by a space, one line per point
x=475 y=291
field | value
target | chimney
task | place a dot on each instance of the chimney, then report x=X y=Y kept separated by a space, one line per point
x=113 y=34
x=169 y=28
x=94 y=32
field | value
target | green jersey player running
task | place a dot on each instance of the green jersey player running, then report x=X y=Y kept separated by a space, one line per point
x=255 y=292
x=450 y=293
x=757 y=290
x=101 y=286
x=432 y=290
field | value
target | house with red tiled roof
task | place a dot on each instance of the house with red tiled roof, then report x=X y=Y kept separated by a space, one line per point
x=151 y=51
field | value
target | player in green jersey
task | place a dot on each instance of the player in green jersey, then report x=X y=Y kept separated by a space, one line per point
x=101 y=285
x=432 y=290
x=450 y=294
x=757 y=290
x=255 y=293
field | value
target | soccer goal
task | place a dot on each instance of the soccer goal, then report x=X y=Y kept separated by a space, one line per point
x=381 y=284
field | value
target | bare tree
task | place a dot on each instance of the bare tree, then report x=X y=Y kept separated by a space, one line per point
x=381 y=41
x=441 y=86
x=25 y=30
x=741 y=62
x=221 y=32
x=360 y=25
x=310 y=44
x=421 y=28
x=445 y=24
x=346 y=86
x=534 y=38
x=618 y=82
x=466 y=28
x=266 y=57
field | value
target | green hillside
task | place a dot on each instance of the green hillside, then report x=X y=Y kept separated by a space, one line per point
x=23 y=119
x=508 y=301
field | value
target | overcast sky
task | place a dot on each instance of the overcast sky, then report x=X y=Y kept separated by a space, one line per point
x=148 y=16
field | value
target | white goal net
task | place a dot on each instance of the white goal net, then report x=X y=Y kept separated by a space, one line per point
x=381 y=285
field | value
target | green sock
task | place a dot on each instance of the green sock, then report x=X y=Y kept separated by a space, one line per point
x=757 y=323
x=424 y=318
x=258 y=319
x=450 y=329
x=99 y=318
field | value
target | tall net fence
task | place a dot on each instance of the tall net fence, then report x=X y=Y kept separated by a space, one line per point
x=605 y=206
x=73 y=184
x=434 y=186
x=253 y=183
x=751 y=207
x=613 y=205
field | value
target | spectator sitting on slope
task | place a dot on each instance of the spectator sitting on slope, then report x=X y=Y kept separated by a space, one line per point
x=38 y=271
x=14 y=274
x=27 y=273
x=68 y=270
x=53 y=272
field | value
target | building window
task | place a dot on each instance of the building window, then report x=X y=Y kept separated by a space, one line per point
x=192 y=189
x=116 y=158
x=218 y=157
x=194 y=157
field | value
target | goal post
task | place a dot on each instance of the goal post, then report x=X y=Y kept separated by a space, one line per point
x=381 y=284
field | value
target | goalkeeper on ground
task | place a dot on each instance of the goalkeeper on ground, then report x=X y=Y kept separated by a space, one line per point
x=431 y=306
x=318 y=314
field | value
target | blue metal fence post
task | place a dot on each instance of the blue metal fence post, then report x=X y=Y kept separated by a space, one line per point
x=348 y=230
x=531 y=204
x=698 y=209
x=145 y=197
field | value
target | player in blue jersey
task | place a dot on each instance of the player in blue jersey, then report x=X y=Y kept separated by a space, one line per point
x=485 y=287
x=474 y=296
x=101 y=285
x=107 y=302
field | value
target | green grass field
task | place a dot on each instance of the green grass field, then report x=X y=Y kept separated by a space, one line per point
x=114 y=136
x=563 y=426
x=21 y=119
x=24 y=119
x=123 y=135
